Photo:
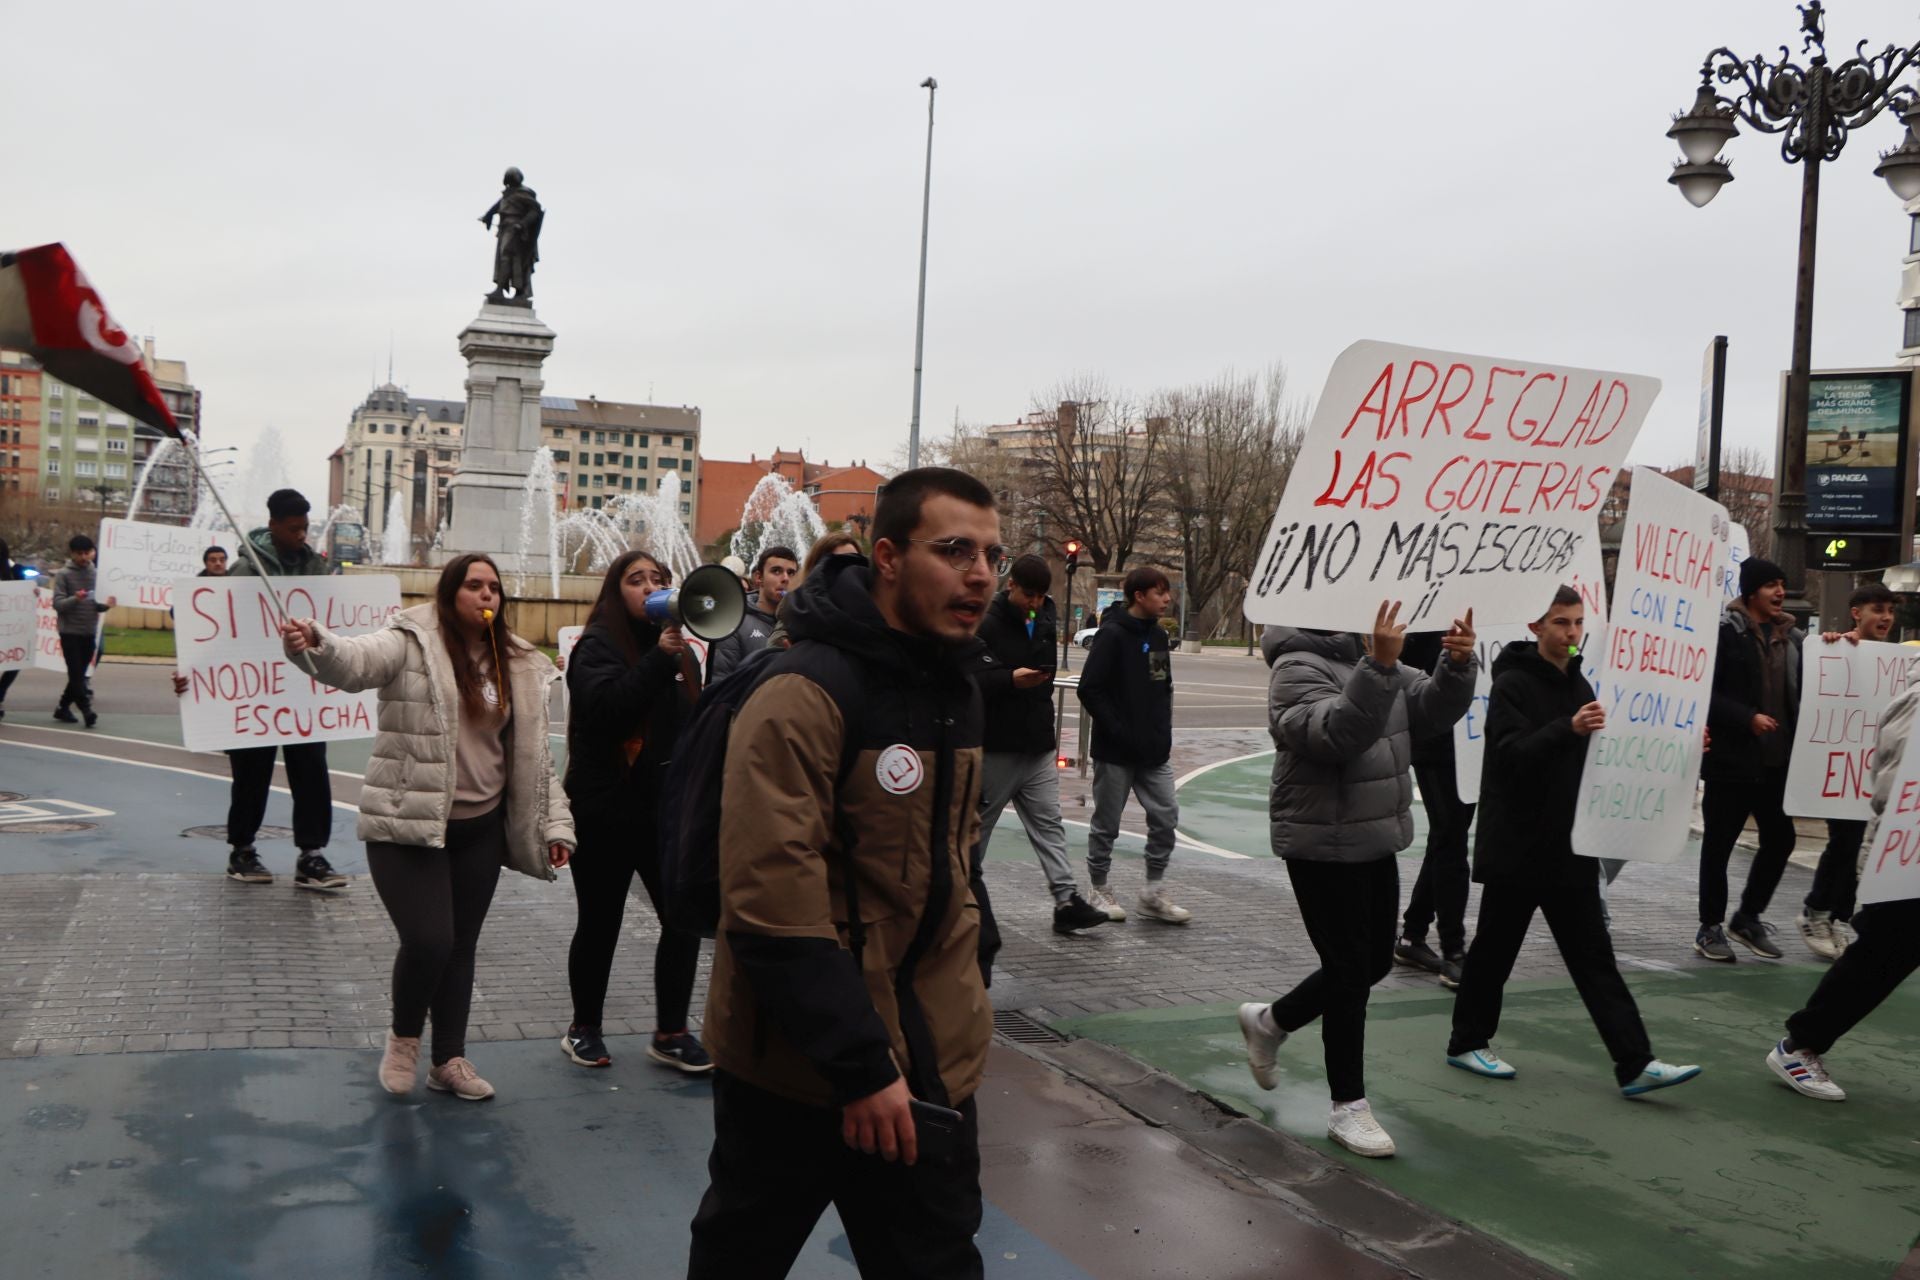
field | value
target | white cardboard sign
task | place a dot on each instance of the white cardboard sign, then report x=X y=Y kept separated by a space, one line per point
x=17 y=625
x=140 y=562
x=1444 y=481
x=1739 y=547
x=1844 y=688
x=1636 y=794
x=1469 y=731
x=242 y=690
x=46 y=636
x=1892 y=868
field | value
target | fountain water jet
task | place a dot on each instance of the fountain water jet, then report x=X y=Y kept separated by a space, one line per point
x=396 y=542
x=776 y=515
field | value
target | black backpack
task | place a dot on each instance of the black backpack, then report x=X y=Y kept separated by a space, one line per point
x=690 y=824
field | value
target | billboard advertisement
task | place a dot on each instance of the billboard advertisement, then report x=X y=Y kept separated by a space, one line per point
x=1856 y=451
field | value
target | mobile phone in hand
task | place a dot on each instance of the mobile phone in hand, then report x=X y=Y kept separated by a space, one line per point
x=936 y=1128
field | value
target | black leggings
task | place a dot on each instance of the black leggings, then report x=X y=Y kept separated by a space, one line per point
x=1349 y=911
x=609 y=853
x=438 y=899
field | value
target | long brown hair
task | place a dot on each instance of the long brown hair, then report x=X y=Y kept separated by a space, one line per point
x=822 y=546
x=610 y=606
x=467 y=675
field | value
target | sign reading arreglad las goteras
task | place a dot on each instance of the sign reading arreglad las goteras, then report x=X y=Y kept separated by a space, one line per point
x=1447 y=482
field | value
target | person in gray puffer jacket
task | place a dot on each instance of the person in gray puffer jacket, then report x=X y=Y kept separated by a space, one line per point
x=1343 y=711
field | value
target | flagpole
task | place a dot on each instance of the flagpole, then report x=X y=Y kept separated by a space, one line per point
x=247 y=548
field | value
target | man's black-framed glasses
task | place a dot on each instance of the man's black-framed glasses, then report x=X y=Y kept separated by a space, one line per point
x=961 y=553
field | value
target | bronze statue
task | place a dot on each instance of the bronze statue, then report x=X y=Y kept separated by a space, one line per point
x=519 y=242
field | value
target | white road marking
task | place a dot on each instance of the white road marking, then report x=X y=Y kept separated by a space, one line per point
x=164 y=768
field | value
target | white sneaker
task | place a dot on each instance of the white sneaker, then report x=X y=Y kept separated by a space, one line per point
x=1102 y=897
x=1816 y=929
x=1262 y=1044
x=1351 y=1124
x=1153 y=904
x=1805 y=1073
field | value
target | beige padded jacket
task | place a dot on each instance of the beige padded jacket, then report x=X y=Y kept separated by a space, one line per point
x=409 y=785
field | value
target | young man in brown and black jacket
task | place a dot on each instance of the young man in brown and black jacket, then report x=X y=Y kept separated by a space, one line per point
x=850 y=795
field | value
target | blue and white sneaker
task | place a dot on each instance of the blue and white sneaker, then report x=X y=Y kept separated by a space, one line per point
x=1482 y=1062
x=1658 y=1075
x=1805 y=1073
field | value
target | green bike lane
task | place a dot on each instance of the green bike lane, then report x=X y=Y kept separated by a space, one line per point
x=1731 y=1175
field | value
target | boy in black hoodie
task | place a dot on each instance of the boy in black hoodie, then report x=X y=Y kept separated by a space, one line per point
x=1127 y=686
x=1540 y=718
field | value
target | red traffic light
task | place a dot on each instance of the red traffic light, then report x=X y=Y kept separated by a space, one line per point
x=1073 y=546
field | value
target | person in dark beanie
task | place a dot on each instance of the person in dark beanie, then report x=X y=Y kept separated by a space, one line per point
x=282 y=549
x=79 y=611
x=1439 y=896
x=1755 y=704
x=1014 y=668
x=1127 y=686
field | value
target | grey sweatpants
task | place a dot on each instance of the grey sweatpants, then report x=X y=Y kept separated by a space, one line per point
x=1032 y=783
x=1153 y=788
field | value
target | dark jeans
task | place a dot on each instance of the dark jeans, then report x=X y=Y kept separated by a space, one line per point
x=604 y=863
x=1837 y=876
x=1573 y=913
x=777 y=1165
x=77 y=652
x=6 y=681
x=1349 y=910
x=1441 y=887
x=438 y=899
x=307 y=778
x=1725 y=805
x=1867 y=972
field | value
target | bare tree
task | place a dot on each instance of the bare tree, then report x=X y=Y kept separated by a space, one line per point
x=1746 y=491
x=1229 y=446
x=1094 y=470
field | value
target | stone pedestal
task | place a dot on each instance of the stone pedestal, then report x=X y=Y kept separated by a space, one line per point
x=505 y=348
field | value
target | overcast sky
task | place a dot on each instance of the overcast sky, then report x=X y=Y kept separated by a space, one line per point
x=1148 y=191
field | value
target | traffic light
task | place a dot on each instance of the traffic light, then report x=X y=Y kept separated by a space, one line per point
x=1073 y=555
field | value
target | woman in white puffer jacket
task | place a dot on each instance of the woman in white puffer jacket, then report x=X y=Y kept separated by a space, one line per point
x=461 y=783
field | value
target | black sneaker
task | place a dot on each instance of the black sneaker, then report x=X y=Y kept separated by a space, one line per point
x=245 y=866
x=584 y=1046
x=682 y=1052
x=91 y=716
x=1711 y=943
x=311 y=871
x=1756 y=934
x=1450 y=971
x=1077 y=913
x=65 y=716
x=1417 y=955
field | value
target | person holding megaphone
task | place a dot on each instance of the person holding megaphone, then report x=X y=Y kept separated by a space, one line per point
x=631 y=682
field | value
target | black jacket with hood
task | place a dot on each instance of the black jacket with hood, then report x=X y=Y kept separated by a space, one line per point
x=1128 y=686
x=1737 y=689
x=1019 y=721
x=622 y=719
x=1530 y=783
x=302 y=562
x=751 y=636
x=857 y=753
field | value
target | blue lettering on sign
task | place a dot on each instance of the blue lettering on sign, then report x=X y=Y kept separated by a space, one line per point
x=1647 y=604
x=1476 y=712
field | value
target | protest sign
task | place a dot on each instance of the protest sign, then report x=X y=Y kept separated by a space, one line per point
x=563 y=642
x=1738 y=549
x=1892 y=868
x=46 y=636
x=1444 y=481
x=17 y=625
x=1843 y=689
x=1636 y=793
x=139 y=562
x=1469 y=731
x=242 y=690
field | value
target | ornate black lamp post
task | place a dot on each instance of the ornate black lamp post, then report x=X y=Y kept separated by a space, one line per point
x=1816 y=107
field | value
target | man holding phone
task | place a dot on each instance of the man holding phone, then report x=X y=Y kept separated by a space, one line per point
x=847 y=1015
x=1014 y=669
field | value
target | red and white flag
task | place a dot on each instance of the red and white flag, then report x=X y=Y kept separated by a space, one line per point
x=48 y=310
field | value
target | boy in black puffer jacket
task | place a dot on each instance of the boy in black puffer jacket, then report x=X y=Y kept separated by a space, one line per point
x=1540 y=718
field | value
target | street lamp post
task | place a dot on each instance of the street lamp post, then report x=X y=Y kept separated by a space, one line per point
x=1816 y=107
x=920 y=312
